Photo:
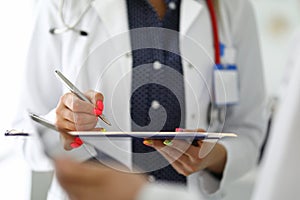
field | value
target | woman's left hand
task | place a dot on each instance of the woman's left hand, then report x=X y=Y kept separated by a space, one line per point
x=186 y=158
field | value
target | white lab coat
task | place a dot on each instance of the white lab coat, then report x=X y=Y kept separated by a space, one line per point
x=279 y=171
x=279 y=174
x=75 y=56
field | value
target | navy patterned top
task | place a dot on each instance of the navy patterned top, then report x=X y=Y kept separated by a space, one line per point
x=157 y=101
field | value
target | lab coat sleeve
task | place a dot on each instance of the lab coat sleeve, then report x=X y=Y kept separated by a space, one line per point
x=279 y=171
x=164 y=192
x=40 y=89
x=248 y=119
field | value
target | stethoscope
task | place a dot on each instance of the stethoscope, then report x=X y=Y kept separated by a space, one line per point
x=214 y=114
x=72 y=27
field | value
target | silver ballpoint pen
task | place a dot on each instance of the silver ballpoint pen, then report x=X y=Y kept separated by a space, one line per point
x=78 y=93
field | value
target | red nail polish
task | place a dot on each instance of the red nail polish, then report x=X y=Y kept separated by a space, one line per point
x=74 y=145
x=100 y=105
x=78 y=141
x=179 y=130
x=97 y=111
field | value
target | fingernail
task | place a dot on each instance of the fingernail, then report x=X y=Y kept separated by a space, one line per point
x=100 y=105
x=74 y=145
x=179 y=130
x=168 y=143
x=78 y=141
x=97 y=111
x=148 y=142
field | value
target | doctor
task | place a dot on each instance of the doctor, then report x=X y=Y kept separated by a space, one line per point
x=281 y=156
x=74 y=45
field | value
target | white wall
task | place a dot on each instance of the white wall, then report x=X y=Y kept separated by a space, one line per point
x=15 y=20
x=278 y=21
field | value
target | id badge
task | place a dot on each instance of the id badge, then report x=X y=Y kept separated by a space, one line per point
x=226 y=85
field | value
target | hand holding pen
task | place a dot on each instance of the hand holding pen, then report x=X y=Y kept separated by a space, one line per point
x=78 y=112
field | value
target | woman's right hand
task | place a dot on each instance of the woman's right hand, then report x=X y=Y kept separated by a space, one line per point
x=74 y=114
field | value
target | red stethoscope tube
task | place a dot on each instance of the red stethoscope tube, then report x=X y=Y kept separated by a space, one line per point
x=215 y=30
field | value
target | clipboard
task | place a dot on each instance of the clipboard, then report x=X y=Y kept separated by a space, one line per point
x=148 y=135
x=157 y=135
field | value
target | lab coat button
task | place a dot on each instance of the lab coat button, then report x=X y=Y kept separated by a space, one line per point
x=155 y=105
x=191 y=66
x=151 y=179
x=172 y=5
x=193 y=116
x=157 y=65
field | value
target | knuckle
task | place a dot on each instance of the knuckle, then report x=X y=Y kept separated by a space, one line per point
x=70 y=126
x=57 y=123
x=184 y=172
x=62 y=99
x=193 y=168
x=57 y=112
x=196 y=159
x=65 y=97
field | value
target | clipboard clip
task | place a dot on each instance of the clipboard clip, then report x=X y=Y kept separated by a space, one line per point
x=14 y=132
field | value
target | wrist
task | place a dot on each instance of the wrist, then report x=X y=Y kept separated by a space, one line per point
x=219 y=157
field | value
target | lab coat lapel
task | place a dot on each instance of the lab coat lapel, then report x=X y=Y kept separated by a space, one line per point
x=190 y=10
x=113 y=16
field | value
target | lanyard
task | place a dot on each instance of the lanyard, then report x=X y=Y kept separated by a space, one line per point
x=215 y=30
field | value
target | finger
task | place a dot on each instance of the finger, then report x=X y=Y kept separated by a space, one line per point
x=63 y=124
x=67 y=140
x=181 y=146
x=66 y=113
x=189 y=130
x=77 y=105
x=180 y=161
x=186 y=148
x=78 y=118
x=206 y=148
x=188 y=158
x=158 y=145
x=81 y=121
x=99 y=129
x=178 y=165
x=84 y=118
x=85 y=127
x=94 y=96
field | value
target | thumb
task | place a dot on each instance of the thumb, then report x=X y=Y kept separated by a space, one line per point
x=94 y=96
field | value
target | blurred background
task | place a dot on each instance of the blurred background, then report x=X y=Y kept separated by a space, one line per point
x=278 y=21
